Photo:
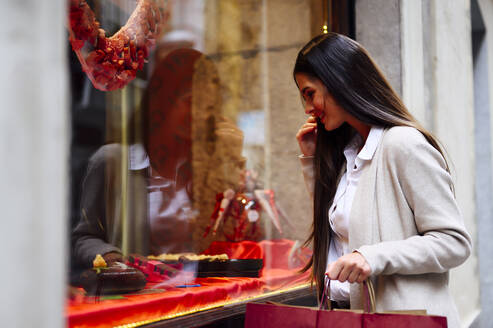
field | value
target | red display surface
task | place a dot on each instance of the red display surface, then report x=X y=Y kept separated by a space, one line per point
x=282 y=261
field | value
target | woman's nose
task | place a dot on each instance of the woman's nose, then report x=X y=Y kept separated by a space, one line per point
x=309 y=108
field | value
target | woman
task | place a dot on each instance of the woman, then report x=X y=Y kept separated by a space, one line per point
x=384 y=205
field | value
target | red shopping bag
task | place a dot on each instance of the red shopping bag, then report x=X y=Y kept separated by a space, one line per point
x=261 y=315
x=397 y=320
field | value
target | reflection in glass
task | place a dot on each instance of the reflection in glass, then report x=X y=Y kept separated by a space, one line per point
x=189 y=176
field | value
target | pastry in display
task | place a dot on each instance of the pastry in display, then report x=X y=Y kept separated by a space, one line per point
x=99 y=262
x=117 y=278
x=212 y=265
x=188 y=257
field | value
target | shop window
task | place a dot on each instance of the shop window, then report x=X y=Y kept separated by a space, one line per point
x=184 y=168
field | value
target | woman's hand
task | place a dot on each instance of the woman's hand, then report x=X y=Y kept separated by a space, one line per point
x=350 y=267
x=307 y=137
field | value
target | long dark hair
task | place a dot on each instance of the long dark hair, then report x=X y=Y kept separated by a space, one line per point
x=360 y=88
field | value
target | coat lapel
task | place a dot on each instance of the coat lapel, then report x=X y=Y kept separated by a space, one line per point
x=363 y=227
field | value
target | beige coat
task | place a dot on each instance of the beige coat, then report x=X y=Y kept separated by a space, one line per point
x=406 y=223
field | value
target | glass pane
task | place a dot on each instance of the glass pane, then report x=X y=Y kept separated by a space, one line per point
x=185 y=176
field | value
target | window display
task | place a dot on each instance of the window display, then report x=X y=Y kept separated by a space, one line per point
x=187 y=193
x=112 y=62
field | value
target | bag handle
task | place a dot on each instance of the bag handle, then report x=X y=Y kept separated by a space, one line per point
x=368 y=295
x=326 y=294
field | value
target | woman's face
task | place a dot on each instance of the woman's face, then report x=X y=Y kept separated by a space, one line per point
x=319 y=102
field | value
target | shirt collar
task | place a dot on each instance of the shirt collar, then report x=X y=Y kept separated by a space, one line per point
x=138 y=158
x=371 y=143
x=369 y=147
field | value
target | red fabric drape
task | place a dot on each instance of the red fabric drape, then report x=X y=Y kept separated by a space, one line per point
x=280 y=271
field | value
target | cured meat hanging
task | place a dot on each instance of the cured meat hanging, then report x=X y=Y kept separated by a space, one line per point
x=112 y=62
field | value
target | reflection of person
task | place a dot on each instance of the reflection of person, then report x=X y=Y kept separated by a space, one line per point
x=384 y=205
x=159 y=179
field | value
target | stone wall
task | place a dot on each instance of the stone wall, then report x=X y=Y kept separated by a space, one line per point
x=482 y=25
x=34 y=187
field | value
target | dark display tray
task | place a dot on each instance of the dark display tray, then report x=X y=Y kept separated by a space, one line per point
x=223 y=268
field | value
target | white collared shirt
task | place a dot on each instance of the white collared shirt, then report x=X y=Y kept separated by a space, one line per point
x=341 y=207
x=137 y=157
x=164 y=200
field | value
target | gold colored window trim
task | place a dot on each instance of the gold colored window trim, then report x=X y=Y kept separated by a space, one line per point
x=212 y=306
